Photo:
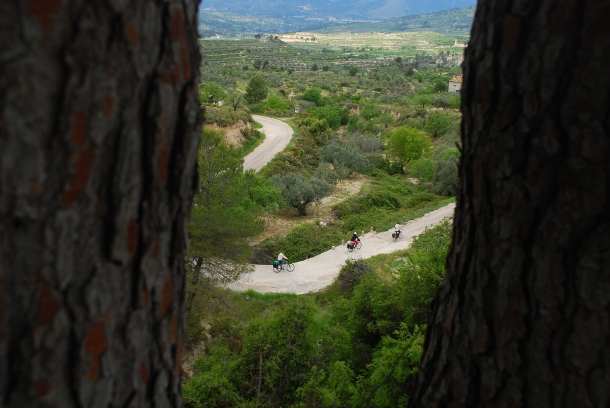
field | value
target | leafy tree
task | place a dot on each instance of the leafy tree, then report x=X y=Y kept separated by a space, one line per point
x=393 y=369
x=275 y=102
x=211 y=93
x=441 y=85
x=370 y=145
x=406 y=144
x=423 y=169
x=275 y=354
x=235 y=99
x=369 y=112
x=445 y=180
x=423 y=100
x=437 y=123
x=335 y=116
x=313 y=95
x=353 y=70
x=222 y=216
x=345 y=159
x=314 y=67
x=299 y=192
x=256 y=90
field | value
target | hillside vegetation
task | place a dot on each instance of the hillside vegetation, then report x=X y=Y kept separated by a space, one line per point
x=358 y=343
x=379 y=116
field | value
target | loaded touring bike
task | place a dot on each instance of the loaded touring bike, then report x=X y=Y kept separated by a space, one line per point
x=351 y=246
x=277 y=266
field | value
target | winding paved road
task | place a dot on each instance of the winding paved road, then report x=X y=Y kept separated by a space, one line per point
x=277 y=137
x=318 y=272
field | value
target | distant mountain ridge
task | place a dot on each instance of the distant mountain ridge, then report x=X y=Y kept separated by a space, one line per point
x=455 y=22
x=341 y=10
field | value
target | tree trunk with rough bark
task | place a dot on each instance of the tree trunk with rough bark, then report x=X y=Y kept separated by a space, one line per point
x=99 y=128
x=523 y=317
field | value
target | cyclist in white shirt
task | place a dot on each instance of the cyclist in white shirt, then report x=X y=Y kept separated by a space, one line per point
x=282 y=258
x=397 y=229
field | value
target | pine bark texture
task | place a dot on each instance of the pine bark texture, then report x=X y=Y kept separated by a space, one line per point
x=99 y=128
x=523 y=317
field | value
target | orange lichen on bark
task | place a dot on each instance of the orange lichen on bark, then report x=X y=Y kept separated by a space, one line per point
x=131 y=33
x=34 y=187
x=155 y=250
x=167 y=296
x=132 y=236
x=44 y=387
x=176 y=74
x=146 y=297
x=47 y=307
x=79 y=129
x=512 y=27
x=108 y=106
x=163 y=157
x=144 y=373
x=184 y=60
x=179 y=34
x=165 y=78
x=178 y=359
x=44 y=10
x=177 y=25
x=173 y=327
x=81 y=175
x=95 y=345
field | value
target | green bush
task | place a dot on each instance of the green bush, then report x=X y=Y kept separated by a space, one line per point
x=356 y=344
x=370 y=111
x=305 y=241
x=277 y=103
x=420 y=198
x=335 y=116
x=225 y=116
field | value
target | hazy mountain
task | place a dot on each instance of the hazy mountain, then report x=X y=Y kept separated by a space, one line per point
x=332 y=9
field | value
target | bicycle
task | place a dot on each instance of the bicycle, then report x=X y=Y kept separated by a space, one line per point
x=351 y=247
x=396 y=235
x=279 y=267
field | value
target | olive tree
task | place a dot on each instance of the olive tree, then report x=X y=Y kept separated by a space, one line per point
x=300 y=192
x=345 y=159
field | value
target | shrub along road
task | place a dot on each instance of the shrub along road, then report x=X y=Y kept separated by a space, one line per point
x=277 y=137
x=318 y=272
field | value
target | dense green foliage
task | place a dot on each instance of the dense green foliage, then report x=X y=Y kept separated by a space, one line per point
x=407 y=144
x=226 y=211
x=256 y=90
x=300 y=192
x=211 y=93
x=356 y=344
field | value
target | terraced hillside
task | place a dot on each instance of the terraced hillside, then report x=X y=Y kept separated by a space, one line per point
x=301 y=51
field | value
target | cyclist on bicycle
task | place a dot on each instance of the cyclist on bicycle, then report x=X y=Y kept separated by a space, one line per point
x=354 y=241
x=397 y=229
x=282 y=258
